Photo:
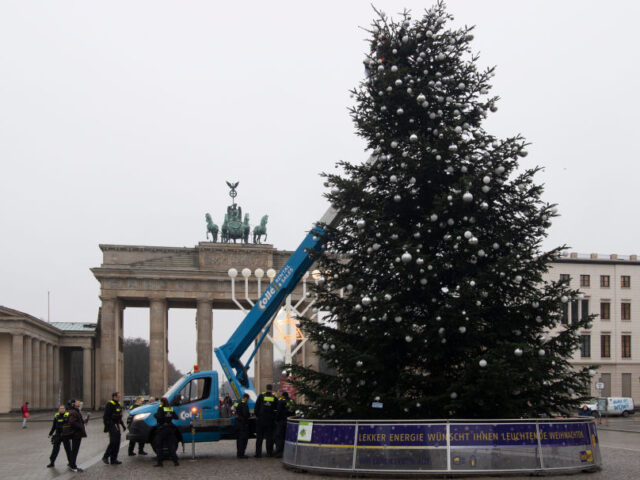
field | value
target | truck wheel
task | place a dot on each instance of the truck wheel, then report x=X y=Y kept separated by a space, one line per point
x=625 y=413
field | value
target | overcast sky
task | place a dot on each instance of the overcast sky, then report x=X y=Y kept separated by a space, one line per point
x=120 y=122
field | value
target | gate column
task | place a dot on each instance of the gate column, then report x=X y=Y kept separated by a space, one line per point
x=204 y=328
x=35 y=361
x=17 y=372
x=109 y=323
x=28 y=371
x=158 y=358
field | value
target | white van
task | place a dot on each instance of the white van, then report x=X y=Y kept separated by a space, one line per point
x=615 y=406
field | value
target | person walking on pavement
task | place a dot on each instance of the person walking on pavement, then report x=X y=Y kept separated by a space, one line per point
x=283 y=411
x=265 y=421
x=166 y=441
x=60 y=426
x=242 y=425
x=112 y=422
x=25 y=414
x=77 y=433
x=132 y=443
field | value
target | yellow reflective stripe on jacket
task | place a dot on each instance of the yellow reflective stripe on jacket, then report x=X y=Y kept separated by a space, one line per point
x=269 y=399
x=167 y=409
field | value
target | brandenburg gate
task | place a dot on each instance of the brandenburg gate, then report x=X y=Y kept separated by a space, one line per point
x=161 y=278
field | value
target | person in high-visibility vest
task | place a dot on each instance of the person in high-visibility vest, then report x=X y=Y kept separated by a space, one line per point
x=265 y=421
x=242 y=425
x=132 y=444
x=60 y=419
x=284 y=410
x=112 y=419
x=165 y=440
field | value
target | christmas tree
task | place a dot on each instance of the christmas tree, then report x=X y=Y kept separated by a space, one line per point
x=432 y=301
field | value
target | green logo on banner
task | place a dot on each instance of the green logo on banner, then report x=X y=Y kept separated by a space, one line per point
x=305 y=430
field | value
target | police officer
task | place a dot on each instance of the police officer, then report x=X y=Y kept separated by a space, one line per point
x=284 y=410
x=165 y=441
x=132 y=444
x=60 y=419
x=242 y=425
x=265 y=421
x=112 y=422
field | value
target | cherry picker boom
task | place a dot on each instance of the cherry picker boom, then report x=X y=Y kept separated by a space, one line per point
x=266 y=307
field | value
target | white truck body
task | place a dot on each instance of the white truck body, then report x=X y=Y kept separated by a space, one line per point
x=615 y=405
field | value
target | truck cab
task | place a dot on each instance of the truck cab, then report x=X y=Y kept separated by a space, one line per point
x=193 y=396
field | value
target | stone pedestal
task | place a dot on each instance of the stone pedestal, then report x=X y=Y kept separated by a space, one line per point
x=158 y=369
x=204 y=327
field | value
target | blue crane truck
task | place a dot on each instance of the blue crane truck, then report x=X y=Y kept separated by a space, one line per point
x=195 y=395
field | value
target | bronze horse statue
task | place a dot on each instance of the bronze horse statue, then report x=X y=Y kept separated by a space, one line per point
x=212 y=228
x=246 y=229
x=260 y=230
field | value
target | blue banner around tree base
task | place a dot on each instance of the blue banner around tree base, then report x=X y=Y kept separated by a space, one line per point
x=441 y=446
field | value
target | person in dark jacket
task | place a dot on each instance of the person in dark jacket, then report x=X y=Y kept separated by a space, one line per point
x=242 y=425
x=284 y=410
x=265 y=421
x=112 y=423
x=60 y=419
x=166 y=441
x=132 y=444
x=77 y=433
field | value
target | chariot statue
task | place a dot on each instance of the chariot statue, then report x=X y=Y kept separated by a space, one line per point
x=234 y=227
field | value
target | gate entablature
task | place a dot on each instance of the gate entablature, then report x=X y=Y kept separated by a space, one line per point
x=161 y=278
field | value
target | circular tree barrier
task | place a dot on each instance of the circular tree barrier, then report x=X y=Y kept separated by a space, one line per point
x=453 y=447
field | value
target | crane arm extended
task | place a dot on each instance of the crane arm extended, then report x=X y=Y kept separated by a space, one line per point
x=267 y=305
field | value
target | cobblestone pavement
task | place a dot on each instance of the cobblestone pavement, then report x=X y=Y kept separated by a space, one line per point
x=24 y=455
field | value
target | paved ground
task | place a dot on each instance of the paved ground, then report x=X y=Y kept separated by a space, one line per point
x=24 y=454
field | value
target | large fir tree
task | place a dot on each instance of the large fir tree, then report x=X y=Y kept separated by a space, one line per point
x=433 y=302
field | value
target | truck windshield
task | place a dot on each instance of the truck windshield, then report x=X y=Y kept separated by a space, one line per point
x=175 y=386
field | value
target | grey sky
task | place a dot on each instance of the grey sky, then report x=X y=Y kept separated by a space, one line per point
x=120 y=122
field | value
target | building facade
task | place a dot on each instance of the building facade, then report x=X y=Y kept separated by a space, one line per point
x=611 y=291
x=38 y=358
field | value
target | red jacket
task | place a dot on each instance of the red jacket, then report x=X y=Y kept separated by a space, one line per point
x=25 y=411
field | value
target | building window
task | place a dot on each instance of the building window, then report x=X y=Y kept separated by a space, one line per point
x=585 y=280
x=605 y=345
x=626 y=385
x=565 y=314
x=625 y=311
x=565 y=278
x=626 y=346
x=584 y=310
x=585 y=346
x=625 y=281
x=574 y=311
x=605 y=311
x=604 y=281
